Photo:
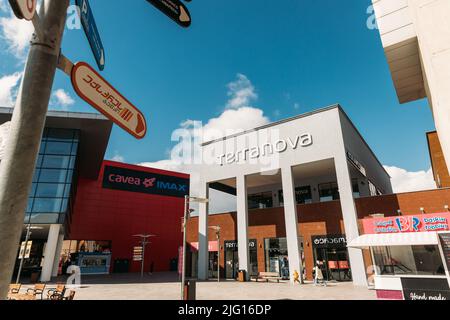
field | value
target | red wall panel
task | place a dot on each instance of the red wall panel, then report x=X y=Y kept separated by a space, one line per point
x=113 y=215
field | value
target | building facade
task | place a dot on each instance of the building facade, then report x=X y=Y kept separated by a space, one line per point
x=313 y=158
x=86 y=211
x=416 y=42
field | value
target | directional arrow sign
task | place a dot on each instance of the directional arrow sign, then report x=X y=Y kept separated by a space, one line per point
x=175 y=10
x=96 y=91
x=90 y=28
x=24 y=9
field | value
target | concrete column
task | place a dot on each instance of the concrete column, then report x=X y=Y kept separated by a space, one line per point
x=350 y=217
x=57 y=255
x=203 y=252
x=291 y=221
x=50 y=252
x=242 y=224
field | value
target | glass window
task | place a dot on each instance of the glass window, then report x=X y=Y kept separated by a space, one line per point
x=328 y=192
x=49 y=190
x=260 y=200
x=56 y=162
x=60 y=134
x=409 y=260
x=63 y=148
x=355 y=188
x=69 y=176
x=65 y=204
x=47 y=205
x=74 y=149
x=53 y=175
x=276 y=254
x=372 y=189
x=44 y=218
x=42 y=147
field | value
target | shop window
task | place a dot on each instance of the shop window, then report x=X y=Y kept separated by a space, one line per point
x=328 y=192
x=276 y=255
x=303 y=195
x=408 y=260
x=355 y=188
x=260 y=201
x=373 y=190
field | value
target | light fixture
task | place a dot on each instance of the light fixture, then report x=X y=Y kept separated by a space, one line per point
x=399 y=212
x=446 y=207
x=422 y=209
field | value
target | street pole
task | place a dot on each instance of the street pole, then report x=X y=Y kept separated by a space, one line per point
x=183 y=268
x=218 y=254
x=27 y=237
x=27 y=125
x=143 y=257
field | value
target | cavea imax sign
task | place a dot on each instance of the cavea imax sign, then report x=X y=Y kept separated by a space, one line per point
x=267 y=149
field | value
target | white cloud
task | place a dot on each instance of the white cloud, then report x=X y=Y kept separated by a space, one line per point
x=8 y=89
x=405 y=181
x=237 y=116
x=118 y=158
x=61 y=99
x=17 y=34
x=241 y=92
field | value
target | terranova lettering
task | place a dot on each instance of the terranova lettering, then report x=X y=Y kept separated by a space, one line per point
x=266 y=150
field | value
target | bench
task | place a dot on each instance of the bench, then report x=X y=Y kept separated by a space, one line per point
x=268 y=276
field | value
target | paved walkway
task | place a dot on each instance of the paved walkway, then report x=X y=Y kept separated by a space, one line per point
x=165 y=286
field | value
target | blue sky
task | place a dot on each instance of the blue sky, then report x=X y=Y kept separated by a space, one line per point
x=298 y=55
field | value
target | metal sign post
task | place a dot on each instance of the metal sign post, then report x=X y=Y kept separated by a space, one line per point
x=144 y=242
x=92 y=34
x=27 y=126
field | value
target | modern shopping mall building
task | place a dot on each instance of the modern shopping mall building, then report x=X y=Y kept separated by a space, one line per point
x=310 y=190
x=83 y=207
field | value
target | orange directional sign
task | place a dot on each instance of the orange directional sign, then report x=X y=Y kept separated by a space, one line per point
x=96 y=91
x=24 y=9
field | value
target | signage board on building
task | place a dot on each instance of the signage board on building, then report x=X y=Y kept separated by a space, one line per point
x=329 y=241
x=233 y=245
x=24 y=9
x=25 y=252
x=90 y=28
x=425 y=289
x=403 y=224
x=144 y=182
x=101 y=95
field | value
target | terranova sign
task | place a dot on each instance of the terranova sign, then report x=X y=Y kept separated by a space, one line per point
x=266 y=150
x=101 y=95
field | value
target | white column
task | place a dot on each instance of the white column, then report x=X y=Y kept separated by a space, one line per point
x=291 y=221
x=242 y=224
x=49 y=252
x=203 y=252
x=350 y=217
x=57 y=255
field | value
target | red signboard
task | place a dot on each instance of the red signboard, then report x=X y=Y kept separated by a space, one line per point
x=403 y=224
x=24 y=9
x=96 y=91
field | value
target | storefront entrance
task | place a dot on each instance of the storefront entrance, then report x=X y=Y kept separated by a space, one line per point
x=277 y=258
x=330 y=252
x=232 y=259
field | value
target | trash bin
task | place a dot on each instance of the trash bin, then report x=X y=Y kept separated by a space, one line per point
x=190 y=290
x=242 y=276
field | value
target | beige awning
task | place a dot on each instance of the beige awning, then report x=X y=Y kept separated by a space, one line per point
x=395 y=239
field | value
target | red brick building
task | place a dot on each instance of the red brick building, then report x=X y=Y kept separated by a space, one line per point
x=317 y=219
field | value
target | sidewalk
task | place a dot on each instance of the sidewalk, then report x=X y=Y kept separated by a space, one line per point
x=165 y=286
